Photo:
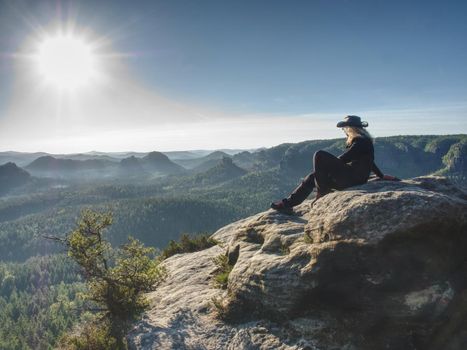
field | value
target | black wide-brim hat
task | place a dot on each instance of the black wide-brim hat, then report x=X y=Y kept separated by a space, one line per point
x=352 y=120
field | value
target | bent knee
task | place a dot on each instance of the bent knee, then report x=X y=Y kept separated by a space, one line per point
x=320 y=155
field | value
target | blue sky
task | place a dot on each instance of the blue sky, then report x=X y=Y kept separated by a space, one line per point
x=401 y=64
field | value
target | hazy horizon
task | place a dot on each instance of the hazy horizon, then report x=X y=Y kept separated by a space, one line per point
x=236 y=149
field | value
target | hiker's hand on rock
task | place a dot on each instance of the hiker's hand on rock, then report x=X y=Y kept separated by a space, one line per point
x=390 y=178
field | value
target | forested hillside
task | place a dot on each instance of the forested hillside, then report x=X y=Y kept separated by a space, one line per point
x=38 y=287
x=38 y=301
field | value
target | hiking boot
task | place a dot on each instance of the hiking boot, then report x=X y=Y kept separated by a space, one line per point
x=282 y=206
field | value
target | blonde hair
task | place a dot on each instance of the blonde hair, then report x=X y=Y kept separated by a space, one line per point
x=352 y=132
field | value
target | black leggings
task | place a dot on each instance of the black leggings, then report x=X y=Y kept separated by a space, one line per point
x=329 y=173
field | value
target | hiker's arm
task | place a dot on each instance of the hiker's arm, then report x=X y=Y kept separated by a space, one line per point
x=381 y=176
x=376 y=171
x=390 y=178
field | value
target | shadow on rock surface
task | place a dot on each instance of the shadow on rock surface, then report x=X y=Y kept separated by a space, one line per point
x=396 y=294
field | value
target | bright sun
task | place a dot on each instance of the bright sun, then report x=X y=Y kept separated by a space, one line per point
x=66 y=61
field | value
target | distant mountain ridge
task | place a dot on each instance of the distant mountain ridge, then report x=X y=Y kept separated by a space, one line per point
x=403 y=156
x=24 y=158
x=19 y=158
x=221 y=172
x=49 y=163
x=131 y=166
x=153 y=162
x=199 y=164
x=225 y=170
x=12 y=176
x=157 y=161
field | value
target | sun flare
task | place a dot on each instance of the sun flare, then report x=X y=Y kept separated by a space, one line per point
x=66 y=61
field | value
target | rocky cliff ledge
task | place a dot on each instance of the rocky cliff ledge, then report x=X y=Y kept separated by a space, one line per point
x=379 y=266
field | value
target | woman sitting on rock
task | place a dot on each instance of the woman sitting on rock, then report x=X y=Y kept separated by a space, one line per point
x=349 y=169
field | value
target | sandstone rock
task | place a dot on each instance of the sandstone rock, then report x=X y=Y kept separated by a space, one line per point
x=375 y=210
x=382 y=265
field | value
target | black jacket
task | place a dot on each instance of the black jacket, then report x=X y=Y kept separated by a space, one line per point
x=360 y=156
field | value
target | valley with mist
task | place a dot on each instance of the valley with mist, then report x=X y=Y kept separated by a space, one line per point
x=154 y=197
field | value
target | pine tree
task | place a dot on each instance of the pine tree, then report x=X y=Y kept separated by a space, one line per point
x=116 y=278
